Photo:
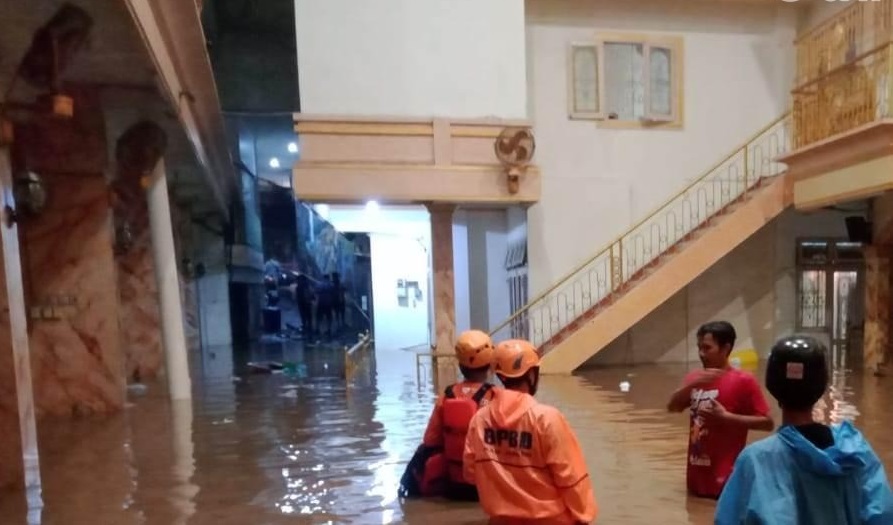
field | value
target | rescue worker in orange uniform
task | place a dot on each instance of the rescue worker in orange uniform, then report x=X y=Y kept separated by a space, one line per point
x=453 y=410
x=522 y=455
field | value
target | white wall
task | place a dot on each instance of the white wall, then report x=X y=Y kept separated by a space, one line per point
x=398 y=257
x=400 y=238
x=738 y=66
x=457 y=58
x=487 y=244
x=460 y=271
x=213 y=290
x=480 y=241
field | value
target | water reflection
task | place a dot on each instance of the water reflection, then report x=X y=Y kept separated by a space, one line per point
x=243 y=453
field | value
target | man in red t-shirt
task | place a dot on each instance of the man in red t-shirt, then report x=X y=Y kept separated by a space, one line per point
x=724 y=403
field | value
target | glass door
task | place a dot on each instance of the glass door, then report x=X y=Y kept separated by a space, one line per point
x=844 y=315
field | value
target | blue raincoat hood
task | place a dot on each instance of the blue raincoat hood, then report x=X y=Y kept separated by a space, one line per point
x=849 y=454
x=786 y=480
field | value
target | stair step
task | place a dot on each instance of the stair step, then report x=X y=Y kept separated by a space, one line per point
x=652 y=266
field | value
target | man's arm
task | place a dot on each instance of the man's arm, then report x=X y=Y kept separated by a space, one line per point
x=751 y=422
x=568 y=467
x=755 y=410
x=714 y=411
x=680 y=399
x=877 y=498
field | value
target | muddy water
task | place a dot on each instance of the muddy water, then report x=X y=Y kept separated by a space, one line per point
x=274 y=449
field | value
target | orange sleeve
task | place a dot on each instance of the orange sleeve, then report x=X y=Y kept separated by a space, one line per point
x=568 y=467
x=434 y=432
x=471 y=444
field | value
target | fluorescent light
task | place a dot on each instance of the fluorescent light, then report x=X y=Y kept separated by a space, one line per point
x=322 y=210
x=292 y=147
x=372 y=206
x=274 y=163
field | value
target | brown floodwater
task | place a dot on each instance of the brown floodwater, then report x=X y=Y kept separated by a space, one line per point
x=271 y=449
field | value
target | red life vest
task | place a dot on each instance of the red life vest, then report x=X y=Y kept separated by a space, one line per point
x=457 y=414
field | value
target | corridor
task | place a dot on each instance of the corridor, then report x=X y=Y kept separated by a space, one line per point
x=275 y=448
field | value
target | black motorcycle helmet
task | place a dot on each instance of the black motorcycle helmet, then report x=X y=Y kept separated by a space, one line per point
x=797 y=373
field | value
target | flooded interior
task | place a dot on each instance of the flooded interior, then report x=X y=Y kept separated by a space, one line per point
x=306 y=448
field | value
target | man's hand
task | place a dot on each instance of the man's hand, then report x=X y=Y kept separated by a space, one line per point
x=681 y=399
x=707 y=376
x=713 y=412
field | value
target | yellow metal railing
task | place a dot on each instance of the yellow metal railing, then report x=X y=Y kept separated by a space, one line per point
x=625 y=259
x=359 y=357
x=843 y=73
x=436 y=368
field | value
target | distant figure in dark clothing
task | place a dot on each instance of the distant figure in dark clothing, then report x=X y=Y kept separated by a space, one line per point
x=340 y=305
x=304 y=299
x=325 y=303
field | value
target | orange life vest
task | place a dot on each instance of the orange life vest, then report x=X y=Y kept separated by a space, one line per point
x=457 y=414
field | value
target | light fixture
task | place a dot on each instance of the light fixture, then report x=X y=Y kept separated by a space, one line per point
x=30 y=192
x=292 y=147
x=322 y=210
x=274 y=163
x=372 y=206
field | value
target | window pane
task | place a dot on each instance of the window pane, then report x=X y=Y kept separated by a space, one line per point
x=844 y=294
x=812 y=299
x=585 y=79
x=624 y=81
x=849 y=251
x=661 y=81
x=814 y=252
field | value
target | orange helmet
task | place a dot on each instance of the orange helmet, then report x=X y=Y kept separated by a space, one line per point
x=515 y=357
x=474 y=349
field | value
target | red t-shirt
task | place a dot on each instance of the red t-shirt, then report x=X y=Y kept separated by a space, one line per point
x=713 y=449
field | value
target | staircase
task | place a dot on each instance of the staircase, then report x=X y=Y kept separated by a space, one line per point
x=656 y=258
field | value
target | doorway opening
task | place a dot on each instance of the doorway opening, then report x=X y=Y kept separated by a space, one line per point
x=831 y=295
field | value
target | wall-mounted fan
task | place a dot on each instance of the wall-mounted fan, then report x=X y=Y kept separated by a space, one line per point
x=514 y=148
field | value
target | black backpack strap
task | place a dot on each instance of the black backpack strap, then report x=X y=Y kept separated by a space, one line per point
x=448 y=393
x=482 y=391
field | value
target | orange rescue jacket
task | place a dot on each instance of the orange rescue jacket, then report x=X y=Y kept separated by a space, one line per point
x=527 y=463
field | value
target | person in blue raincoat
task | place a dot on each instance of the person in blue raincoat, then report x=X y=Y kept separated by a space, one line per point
x=807 y=473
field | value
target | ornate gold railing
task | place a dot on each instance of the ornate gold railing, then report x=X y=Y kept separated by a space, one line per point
x=358 y=358
x=611 y=270
x=436 y=368
x=843 y=73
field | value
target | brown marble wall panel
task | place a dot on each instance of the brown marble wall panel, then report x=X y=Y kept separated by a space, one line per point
x=67 y=250
x=138 y=311
x=877 y=307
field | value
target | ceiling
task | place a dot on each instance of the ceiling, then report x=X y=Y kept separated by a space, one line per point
x=116 y=61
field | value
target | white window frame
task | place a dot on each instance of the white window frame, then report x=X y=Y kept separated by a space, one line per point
x=673 y=44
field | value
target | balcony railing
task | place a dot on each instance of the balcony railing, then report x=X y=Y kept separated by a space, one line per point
x=843 y=73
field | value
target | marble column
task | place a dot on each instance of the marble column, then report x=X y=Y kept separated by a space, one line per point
x=877 y=308
x=138 y=312
x=167 y=276
x=444 y=291
x=18 y=429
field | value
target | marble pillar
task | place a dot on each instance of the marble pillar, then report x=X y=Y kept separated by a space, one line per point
x=73 y=299
x=18 y=432
x=167 y=275
x=444 y=290
x=877 y=308
x=69 y=271
x=138 y=312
